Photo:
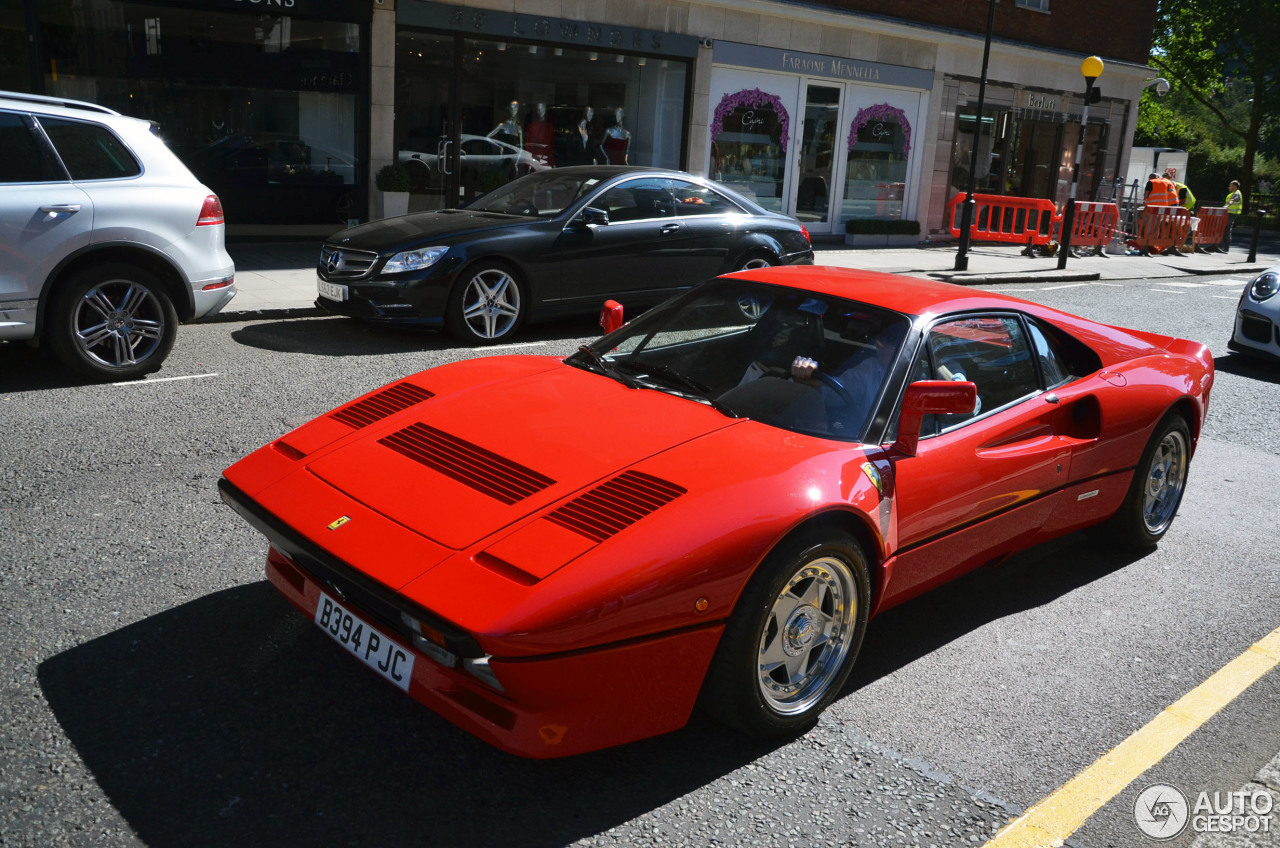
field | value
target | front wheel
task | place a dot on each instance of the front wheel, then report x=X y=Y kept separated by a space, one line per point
x=1157 y=487
x=487 y=305
x=113 y=322
x=791 y=641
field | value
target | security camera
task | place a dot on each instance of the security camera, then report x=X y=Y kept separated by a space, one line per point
x=1162 y=87
x=706 y=42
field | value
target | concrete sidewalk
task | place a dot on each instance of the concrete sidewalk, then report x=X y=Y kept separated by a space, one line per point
x=278 y=280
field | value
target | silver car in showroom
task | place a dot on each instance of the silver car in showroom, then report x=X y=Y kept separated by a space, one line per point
x=107 y=241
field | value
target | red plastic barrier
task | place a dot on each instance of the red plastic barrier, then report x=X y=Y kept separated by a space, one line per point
x=1015 y=220
x=1212 y=226
x=1161 y=227
x=1095 y=223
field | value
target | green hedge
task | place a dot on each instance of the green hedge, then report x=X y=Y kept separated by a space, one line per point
x=392 y=178
x=881 y=227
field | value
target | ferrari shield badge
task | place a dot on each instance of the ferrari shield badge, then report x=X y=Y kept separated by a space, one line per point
x=873 y=474
x=341 y=520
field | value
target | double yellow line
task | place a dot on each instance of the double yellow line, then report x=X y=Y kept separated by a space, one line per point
x=1055 y=818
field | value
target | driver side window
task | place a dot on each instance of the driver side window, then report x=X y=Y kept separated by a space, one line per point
x=992 y=352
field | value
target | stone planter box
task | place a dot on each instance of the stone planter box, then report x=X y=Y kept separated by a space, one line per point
x=881 y=240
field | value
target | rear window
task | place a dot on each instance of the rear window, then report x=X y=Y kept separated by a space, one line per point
x=24 y=160
x=90 y=151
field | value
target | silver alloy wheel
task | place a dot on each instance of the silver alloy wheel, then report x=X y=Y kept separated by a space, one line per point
x=118 y=323
x=1166 y=477
x=755 y=262
x=806 y=635
x=491 y=304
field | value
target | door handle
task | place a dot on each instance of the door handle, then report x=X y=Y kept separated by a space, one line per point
x=668 y=228
x=60 y=208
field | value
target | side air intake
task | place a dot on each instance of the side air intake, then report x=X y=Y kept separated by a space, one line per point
x=469 y=464
x=615 y=505
x=389 y=401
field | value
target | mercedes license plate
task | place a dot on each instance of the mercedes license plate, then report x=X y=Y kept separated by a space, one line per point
x=369 y=645
x=332 y=291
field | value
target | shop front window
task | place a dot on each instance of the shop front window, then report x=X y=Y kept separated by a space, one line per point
x=992 y=142
x=876 y=173
x=262 y=108
x=749 y=133
x=526 y=108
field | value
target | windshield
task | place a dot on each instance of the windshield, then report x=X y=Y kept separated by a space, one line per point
x=542 y=195
x=793 y=359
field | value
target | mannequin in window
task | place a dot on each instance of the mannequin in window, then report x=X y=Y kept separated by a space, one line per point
x=509 y=130
x=583 y=149
x=616 y=142
x=540 y=136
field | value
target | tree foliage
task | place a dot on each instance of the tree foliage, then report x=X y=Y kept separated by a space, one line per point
x=1224 y=57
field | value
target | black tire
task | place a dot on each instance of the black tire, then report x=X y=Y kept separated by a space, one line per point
x=755 y=259
x=112 y=322
x=488 y=304
x=1159 y=480
x=818 y=577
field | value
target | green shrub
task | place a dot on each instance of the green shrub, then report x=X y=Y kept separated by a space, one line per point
x=881 y=227
x=392 y=178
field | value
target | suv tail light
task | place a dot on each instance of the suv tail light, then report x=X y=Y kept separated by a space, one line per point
x=211 y=212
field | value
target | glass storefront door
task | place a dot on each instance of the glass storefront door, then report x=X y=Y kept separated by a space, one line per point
x=816 y=157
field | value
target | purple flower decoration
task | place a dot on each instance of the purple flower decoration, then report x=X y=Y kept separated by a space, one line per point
x=882 y=112
x=752 y=98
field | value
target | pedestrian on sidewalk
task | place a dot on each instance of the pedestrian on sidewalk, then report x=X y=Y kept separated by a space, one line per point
x=1235 y=205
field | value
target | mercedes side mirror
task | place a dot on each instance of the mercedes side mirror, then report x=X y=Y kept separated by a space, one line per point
x=931 y=397
x=611 y=316
x=592 y=217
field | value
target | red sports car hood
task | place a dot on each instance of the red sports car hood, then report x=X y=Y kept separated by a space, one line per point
x=466 y=463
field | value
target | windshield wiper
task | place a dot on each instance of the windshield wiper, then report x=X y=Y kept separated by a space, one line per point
x=690 y=386
x=606 y=367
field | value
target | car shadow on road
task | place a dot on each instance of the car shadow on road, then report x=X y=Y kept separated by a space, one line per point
x=1251 y=367
x=337 y=336
x=231 y=720
x=1027 y=580
x=28 y=369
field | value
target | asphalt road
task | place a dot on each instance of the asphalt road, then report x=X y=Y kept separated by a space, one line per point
x=156 y=691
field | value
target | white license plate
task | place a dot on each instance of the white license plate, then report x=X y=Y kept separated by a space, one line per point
x=372 y=647
x=332 y=291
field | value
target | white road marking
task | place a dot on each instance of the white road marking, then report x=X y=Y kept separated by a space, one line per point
x=1066 y=286
x=1111 y=285
x=1186 y=285
x=1166 y=291
x=165 y=380
x=1226 y=297
x=509 y=346
x=1227 y=282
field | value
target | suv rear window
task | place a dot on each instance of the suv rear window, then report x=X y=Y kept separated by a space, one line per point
x=23 y=161
x=89 y=151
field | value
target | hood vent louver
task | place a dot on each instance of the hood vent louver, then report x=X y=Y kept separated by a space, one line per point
x=387 y=402
x=615 y=505
x=469 y=464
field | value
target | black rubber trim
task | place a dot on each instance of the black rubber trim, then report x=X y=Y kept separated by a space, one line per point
x=370 y=597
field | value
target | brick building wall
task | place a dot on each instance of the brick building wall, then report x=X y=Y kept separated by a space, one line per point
x=1101 y=27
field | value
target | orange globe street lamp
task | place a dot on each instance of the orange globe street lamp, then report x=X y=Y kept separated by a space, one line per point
x=1091 y=68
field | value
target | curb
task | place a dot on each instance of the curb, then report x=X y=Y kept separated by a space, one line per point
x=276 y=314
x=968 y=279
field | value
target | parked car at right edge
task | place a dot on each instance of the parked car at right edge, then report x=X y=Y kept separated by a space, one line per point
x=107 y=241
x=1257 y=330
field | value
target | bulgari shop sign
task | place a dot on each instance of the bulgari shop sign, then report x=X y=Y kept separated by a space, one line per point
x=501 y=25
x=817 y=65
x=360 y=11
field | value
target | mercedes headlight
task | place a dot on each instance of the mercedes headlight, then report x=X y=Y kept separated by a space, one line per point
x=1265 y=285
x=414 y=260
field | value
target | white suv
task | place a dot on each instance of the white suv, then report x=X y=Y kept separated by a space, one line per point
x=106 y=239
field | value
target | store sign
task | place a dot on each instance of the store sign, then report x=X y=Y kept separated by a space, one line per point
x=1036 y=100
x=584 y=34
x=359 y=11
x=817 y=65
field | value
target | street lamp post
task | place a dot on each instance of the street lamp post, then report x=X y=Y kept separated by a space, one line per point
x=966 y=214
x=1091 y=68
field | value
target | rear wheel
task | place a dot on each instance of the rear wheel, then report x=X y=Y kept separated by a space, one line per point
x=791 y=642
x=113 y=322
x=754 y=261
x=1157 y=487
x=487 y=305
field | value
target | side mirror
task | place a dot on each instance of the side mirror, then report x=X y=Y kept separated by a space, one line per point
x=611 y=316
x=931 y=397
x=593 y=217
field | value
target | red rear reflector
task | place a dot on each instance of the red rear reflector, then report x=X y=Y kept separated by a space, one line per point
x=221 y=284
x=804 y=231
x=211 y=212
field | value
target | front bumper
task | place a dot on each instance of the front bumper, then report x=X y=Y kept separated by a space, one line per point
x=417 y=299
x=1255 y=333
x=550 y=706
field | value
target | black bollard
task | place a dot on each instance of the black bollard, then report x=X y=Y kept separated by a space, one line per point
x=1257 y=226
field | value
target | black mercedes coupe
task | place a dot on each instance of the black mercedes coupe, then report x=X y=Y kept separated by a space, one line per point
x=549 y=244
